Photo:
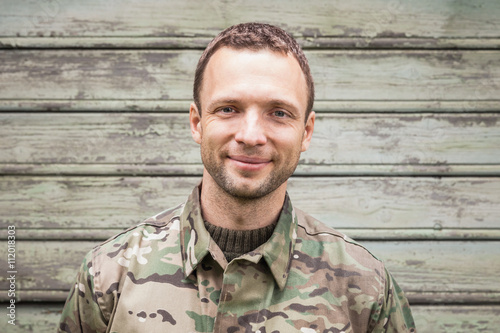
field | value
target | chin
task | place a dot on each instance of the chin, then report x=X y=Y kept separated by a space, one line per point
x=250 y=190
x=244 y=192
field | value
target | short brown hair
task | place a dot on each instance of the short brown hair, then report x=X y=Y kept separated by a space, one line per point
x=254 y=36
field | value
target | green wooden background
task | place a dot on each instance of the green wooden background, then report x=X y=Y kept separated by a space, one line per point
x=94 y=137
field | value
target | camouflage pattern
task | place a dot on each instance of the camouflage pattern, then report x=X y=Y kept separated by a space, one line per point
x=168 y=275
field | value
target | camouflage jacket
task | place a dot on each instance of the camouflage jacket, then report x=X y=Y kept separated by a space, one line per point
x=168 y=275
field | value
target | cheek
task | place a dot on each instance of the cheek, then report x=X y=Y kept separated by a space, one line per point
x=213 y=136
x=291 y=143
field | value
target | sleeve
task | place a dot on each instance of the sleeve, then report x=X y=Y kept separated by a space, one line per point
x=82 y=313
x=394 y=313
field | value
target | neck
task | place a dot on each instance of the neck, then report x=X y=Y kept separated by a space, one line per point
x=223 y=210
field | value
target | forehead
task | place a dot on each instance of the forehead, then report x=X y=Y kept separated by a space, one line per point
x=228 y=56
x=254 y=75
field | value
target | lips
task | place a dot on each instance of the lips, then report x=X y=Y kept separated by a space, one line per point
x=249 y=163
x=249 y=159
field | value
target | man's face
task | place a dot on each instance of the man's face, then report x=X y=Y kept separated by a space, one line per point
x=252 y=127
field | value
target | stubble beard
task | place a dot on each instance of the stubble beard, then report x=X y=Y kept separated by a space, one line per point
x=225 y=181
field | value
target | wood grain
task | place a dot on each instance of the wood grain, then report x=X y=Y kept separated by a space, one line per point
x=365 y=234
x=420 y=267
x=320 y=170
x=94 y=136
x=165 y=139
x=340 y=75
x=128 y=18
x=34 y=318
x=44 y=318
x=438 y=267
x=179 y=106
x=306 y=42
x=341 y=202
x=456 y=319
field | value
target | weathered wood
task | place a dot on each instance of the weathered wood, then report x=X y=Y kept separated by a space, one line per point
x=33 y=318
x=51 y=234
x=355 y=19
x=416 y=298
x=159 y=139
x=87 y=62
x=345 y=202
x=420 y=267
x=456 y=319
x=44 y=318
x=340 y=75
x=423 y=170
x=307 y=43
x=440 y=298
x=180 y=106
x=438 y=266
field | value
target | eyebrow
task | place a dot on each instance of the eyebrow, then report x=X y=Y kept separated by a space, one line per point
x=279 y=102
x=222 y=101
x=273 y=102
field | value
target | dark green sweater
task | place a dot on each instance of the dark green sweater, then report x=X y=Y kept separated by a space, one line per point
x=235 y=243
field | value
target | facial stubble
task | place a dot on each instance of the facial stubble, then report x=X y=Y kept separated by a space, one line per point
x=218 y=171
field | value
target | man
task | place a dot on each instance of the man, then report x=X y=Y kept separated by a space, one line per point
x=237 y=256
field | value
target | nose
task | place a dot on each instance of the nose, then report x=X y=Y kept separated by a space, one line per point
x=251 y=131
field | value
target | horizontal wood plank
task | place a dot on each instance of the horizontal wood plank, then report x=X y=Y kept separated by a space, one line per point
x=365 y=234
x=375 y=19
x=33 y=318
x=44 y=318
x=99 y=92
x=318 y=170
x=180 y=106
x=437 y=267
x=420 y=267
x=307 y=43
x=340 y=75
x=165 y=139
x=456 y=319
x=345 y=202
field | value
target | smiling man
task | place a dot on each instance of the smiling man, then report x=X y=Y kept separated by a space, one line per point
x=251 y=123
x=237 y=256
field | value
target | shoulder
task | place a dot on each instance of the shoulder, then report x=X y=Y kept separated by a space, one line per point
x=126 y=255
x=150 y=230
x=329 y=242
x=331 y=261
x=130 y=251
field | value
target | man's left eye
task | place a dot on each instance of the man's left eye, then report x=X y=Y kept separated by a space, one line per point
x=227 y=109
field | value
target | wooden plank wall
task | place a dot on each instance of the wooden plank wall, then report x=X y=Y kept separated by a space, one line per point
x=94 y=137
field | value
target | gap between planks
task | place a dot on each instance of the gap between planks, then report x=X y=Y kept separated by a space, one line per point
x=425 y=298
x=303 y=170
x=307 y=43
x=182 y=106
x=357 y=234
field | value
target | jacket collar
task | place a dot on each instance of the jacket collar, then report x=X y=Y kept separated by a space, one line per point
x=277 y=251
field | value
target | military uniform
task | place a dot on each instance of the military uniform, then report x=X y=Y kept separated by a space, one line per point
x=168 y=275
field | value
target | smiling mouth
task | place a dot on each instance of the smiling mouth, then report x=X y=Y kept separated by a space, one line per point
x=249 y=159
x=249 y=163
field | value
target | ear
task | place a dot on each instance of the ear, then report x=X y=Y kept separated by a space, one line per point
x=195 y=123
x=308 y=131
